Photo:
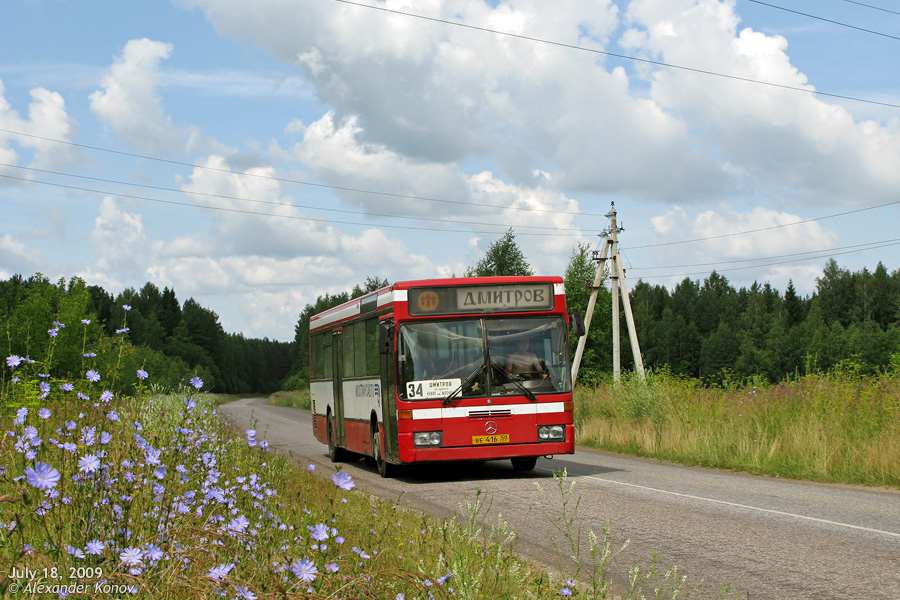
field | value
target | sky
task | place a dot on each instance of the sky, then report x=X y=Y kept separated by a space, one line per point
x=256 y=155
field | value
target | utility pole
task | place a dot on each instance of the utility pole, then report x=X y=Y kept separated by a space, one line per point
x=617 y=283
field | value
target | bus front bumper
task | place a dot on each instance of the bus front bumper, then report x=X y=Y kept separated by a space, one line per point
x=488 y=451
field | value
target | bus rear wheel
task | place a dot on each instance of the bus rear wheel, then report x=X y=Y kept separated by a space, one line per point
x=335 y=453
x=524 y=463
x=385 y=469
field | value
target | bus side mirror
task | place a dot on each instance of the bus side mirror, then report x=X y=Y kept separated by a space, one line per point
x=385 y=338
x=577 y=321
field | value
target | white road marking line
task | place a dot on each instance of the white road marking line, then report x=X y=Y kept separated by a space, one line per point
x=735 y=504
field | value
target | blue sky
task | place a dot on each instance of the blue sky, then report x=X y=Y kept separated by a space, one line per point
x=254 y=156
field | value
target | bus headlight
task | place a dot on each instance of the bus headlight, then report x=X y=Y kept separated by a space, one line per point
x=551 y=432
x=428 y=438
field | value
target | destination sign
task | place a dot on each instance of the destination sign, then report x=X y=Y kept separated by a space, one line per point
x=505 y=297
x=481 y=299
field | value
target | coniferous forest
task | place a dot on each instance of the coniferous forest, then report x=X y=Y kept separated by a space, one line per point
x=174 y=341
x=710 y=331
x=707 y=330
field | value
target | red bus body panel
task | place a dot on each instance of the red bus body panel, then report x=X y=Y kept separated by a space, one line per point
x=462 y=421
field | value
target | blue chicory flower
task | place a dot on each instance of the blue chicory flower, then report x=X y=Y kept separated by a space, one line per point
x=305 y=570
x=42 y=476
x=152 y=552
x=343 y=481
x=95 y=547
x=319 y=532
x=132 y=557
x=238 y=524
x=243 y=592
x=88 y=463
x=219 y=573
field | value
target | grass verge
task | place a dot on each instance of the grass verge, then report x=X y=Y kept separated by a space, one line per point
x=293 y=399
x=838 y=427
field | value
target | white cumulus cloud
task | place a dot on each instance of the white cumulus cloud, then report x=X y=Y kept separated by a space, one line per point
x=130 y=105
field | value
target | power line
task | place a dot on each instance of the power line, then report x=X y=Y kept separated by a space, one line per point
x=893 y=12
x=361 y=213
x=818 y=253
x=297 y=181
x=893 y=37
x=413 y=218
x=770 y=228
x=770 y=264
x=261 y=214
x=615 y=55
x=270 y=202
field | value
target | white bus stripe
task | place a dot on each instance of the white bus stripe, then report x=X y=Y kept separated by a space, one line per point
x=457 y=412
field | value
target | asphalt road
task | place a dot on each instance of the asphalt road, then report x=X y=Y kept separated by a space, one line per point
x=760 y=537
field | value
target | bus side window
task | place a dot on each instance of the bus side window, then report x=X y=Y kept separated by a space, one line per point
x=316 y=362
x=347 y=345
x=327 y=357
x=373 y=365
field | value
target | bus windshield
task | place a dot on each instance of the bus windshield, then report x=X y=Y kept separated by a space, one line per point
x=483 y=357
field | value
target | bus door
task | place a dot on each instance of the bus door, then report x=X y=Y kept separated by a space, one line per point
x=387 y=358
x=337 y=356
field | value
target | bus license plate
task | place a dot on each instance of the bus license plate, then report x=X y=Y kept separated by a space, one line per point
x=502 y=438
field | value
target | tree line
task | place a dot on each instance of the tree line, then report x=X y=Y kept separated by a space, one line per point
x=707 y=330
x=170 y=340
x=711 y=331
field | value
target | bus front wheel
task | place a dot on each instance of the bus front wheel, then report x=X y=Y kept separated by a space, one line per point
x=524 y=463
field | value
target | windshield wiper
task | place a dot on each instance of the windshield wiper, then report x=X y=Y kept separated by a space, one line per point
x=515 y=381
x=462 y=385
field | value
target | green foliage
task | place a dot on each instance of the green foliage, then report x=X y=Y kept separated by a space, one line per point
x=154 y=495
x=58 y=322
x=715 y=333
x=299 y=399
x=644 y=399
x=504 y=257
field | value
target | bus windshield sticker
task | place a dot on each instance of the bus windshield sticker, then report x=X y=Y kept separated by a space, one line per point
x=431 y=389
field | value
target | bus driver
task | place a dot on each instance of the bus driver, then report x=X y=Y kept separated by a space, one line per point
x=523 y=360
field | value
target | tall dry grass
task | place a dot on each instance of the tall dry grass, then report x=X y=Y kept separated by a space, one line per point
x=837 y=427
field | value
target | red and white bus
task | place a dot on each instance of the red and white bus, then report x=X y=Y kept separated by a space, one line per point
x=468 y=369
